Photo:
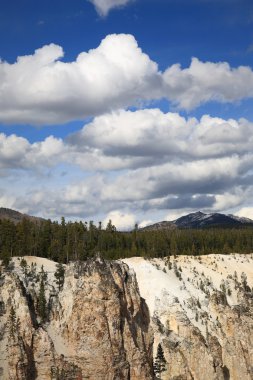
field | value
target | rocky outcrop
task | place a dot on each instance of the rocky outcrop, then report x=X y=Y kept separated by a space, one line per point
x=202 y=314
x=96 y=327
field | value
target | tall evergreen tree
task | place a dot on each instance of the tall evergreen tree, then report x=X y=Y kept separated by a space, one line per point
x=160 y=362
x=59 y=275
x=12 y=323
x=42 y=302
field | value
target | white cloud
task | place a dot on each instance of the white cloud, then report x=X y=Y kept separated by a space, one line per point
x=7 y=201
x=175 y=214
x=163 y=162
x=42 y=89
x=206 y=81
x=198 y=177
x=17 y=153
x=229 y=200
x=104 y=6
x=127 y=139
x=246 y=212
x=145 y=223
x=132 y=161
x=130 y=140
x=122 y=221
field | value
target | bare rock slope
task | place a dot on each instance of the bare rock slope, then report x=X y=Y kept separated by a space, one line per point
x=95 y=327
x=202 y=314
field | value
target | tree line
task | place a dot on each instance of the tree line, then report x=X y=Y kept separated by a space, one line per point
x=67 y=241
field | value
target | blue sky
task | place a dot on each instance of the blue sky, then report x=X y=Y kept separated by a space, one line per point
x=124 y=124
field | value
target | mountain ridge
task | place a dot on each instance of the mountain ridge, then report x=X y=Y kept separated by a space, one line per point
x=201 y=220
x=193 y=220
x=16 y=216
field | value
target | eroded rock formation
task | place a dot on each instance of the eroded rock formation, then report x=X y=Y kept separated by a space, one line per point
x=202 y=314
x=96 y=326
x=101 y=324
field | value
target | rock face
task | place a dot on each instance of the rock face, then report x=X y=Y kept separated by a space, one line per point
x=102 y=323
x=202 y=314
x=96 y=327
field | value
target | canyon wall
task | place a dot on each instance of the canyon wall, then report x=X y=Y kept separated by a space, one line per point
x=201 y=312
x=95 y=327
x=107 y=319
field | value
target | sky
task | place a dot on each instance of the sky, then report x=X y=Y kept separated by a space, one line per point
x=131 y=110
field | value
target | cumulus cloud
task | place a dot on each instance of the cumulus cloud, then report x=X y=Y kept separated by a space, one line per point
x=246 y=212
x=104 y=6
x=206 y=81
x=206 y=184
x=17 y=153
x=145 y=223
x=122 y=220
x=126 y=139
x=131 y=140
x=42 y=89
x=198 y=177
x=228 y=199
x=7 y=201
x=134 y=161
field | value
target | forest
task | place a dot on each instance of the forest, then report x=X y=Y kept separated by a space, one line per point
x=69 y=241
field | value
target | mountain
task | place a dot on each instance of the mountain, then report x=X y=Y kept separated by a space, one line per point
x=165 y=225
x=16 y=216
x=201 y=220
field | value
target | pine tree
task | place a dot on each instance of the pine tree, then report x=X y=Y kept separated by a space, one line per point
x=110 y=227
x=160 y=362
x=42 y=302
x=12 y=323
x=59 y=275
x=23 y=265
x=5 y=258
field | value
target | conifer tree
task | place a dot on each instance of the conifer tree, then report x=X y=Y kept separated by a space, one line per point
x=43 y=274
x=42 y=302
x=12 y=323
x=160 y=362
x=23 y=265
x=59 y=275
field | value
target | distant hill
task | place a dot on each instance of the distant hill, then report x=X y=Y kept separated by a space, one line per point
x=16 y=216
x=165 y=225
x=201 y=220
x=194 y=220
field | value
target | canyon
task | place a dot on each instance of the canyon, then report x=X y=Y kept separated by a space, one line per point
x=108 y=317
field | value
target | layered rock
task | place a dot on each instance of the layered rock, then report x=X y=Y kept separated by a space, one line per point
x=96 y=326
x=202 y=314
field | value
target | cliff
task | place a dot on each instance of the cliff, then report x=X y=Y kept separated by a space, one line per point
x=201 y=310
x=95 y=327
x=101 y=323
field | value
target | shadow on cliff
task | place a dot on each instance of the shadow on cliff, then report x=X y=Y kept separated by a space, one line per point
x=32 y=371
x=31 y=368
x=226 y=373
